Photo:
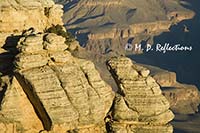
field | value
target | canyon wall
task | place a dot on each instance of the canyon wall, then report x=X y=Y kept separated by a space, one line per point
x=92 y=21
x=19 y=15
x=45 y=88
x=67 y=92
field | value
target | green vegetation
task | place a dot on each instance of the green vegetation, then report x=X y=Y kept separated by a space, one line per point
x=58 y=29
x=0 y=74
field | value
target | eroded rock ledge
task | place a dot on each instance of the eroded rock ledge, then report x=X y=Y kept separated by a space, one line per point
x=123 y=18
x=105 y=27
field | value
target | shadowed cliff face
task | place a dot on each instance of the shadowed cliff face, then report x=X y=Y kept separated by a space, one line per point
x=185 y=64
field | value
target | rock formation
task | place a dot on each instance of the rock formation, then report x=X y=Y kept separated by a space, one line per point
x=68 y=93
x=17 y=114
x=62 y=93
x=139 y=106
x=18 y=15
x=52 y=91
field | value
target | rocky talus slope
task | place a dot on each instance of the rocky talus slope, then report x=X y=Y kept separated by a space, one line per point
x=139 y=105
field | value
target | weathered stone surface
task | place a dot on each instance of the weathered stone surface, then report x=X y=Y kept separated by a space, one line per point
x=17 y=114
x=141 y=96
x=165 y=78
x=8 y=128
x=17 y=16
x=21 y=13
x=68 y=93
x=126 y=17
x=82 y=130
x=131 y=128
x=122 y=112
x=184 y=99
x=74 y=45
x=55 y=43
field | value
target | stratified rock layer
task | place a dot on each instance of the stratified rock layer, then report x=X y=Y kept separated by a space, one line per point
x=67 y=92
x=122 y=18
x=140 y=97
x=106 y=26
x=18 y=15
x=17 y=114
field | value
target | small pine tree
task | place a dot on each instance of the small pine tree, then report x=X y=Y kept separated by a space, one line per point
x=58 y=29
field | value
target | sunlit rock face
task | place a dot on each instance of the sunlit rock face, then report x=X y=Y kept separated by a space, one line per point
x=16 y=111
x=49 y=89
x=45 y=88
x=67 y=92
x=139 y=106
x=19 y=15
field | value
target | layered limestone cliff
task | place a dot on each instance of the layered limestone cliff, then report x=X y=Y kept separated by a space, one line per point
x=133 y=30
x=91 y=3
x=101 y=16
x=17 y=113
x=61 y=93
x=139 y=106
x=68 y=93
x=19 y=15
x=51 y=89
